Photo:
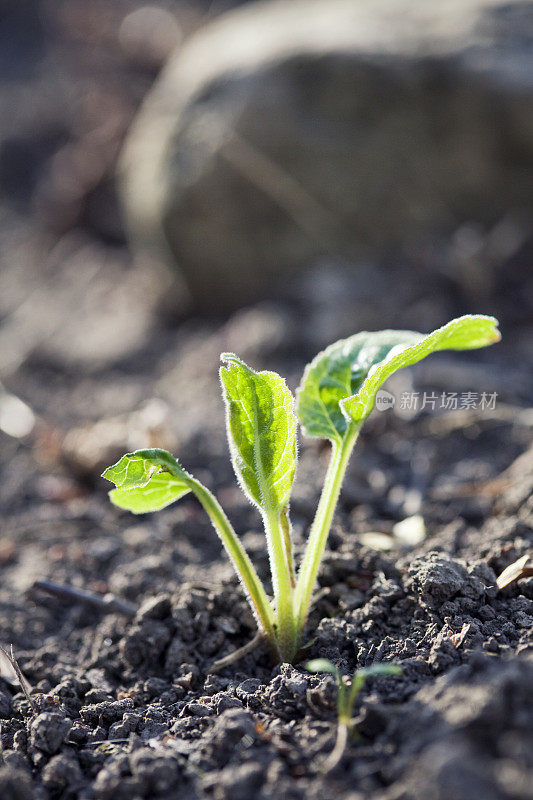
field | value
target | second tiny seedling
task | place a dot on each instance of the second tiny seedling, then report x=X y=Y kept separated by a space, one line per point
x=335 y=397
x=347 y=694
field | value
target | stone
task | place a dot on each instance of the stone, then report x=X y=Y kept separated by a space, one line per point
x=62 y=772
x=107 y=712
x=157 y=771
x=48 y=731
x=437 y=577
x=284 y=131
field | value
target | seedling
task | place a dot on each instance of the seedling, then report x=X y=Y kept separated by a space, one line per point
x=347 y=693
x=335 y=397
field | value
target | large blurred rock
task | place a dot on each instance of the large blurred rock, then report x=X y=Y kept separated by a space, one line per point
x=288 y=129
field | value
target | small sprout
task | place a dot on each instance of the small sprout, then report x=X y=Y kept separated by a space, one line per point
x=347 y=694
x=335 y=397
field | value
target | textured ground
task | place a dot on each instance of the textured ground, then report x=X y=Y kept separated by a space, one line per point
x=123 y=705
x=125 y=708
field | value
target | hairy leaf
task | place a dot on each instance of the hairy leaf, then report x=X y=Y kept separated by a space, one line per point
x=341 y=382
x=160 y=491
x=147 y=480
x=337 y=373
x=261 y=432
x=465 y=333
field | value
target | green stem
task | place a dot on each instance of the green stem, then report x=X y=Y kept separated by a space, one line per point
x=342 y=714
x=316 y=544
x=243 y=566
x=282 y=585
x=358 y=681
x=287 y=536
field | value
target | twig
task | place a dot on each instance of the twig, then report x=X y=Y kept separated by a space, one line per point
x=216 y=666
x=24 y=684
x=106 y=603
x=105 y=741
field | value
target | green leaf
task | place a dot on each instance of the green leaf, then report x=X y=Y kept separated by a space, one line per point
x=465 y=333
x=340 y=384
x=160 y=491
x=147 y=480
x=261 y=432
x=322 y=665
x=359 y=678
x=337 y=373
x=379 y=669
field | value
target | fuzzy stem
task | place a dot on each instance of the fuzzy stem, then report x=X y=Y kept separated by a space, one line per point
x=257 y=596
x=316 y=544
x=282 y=585
x=358 y=681
x=287 y=535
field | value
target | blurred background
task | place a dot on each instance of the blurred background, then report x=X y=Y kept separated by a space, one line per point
x=183 y=178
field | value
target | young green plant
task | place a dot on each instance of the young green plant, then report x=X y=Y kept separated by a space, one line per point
x=335 y=397
x=347 y=693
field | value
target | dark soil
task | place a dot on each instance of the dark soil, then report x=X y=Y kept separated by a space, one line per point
x=123 y=707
